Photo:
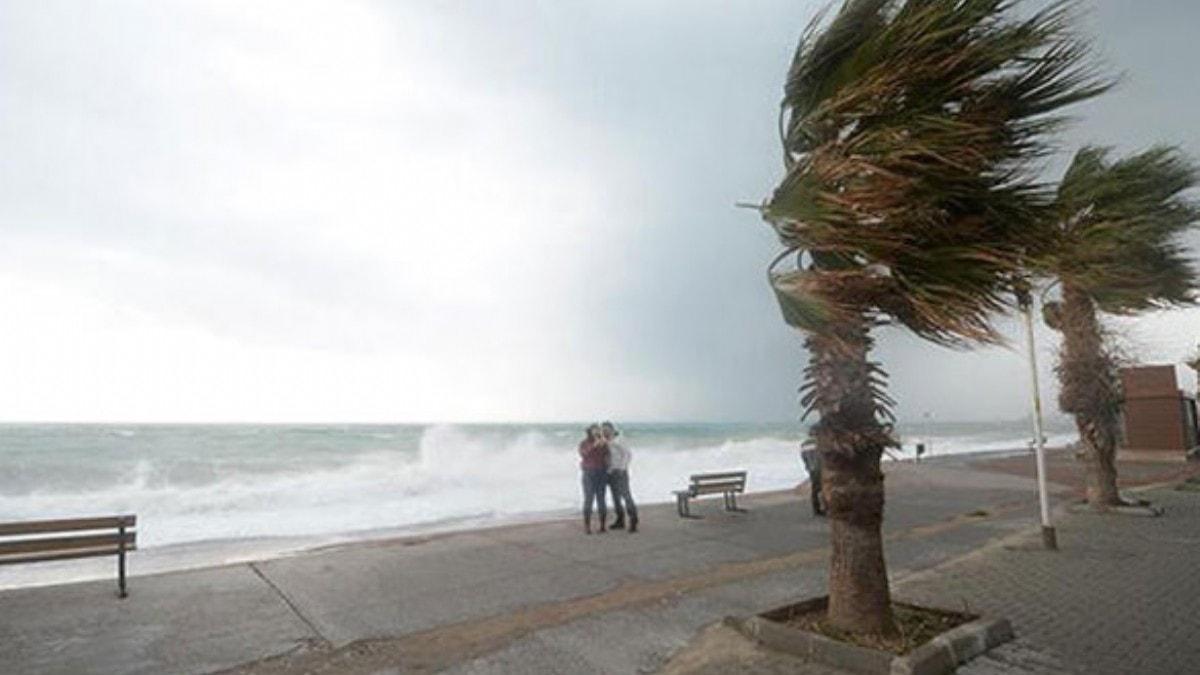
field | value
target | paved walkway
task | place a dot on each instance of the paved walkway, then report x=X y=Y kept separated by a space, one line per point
x=430 y=603
x=1063 y=468
x=531 y=598
x=1119 y=596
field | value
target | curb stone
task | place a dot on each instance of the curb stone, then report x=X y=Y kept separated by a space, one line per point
x=943 y=654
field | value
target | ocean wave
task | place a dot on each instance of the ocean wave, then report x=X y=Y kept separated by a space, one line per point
x=444 y=473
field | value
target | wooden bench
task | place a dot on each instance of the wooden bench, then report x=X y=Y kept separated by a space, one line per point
x=28 y=542
x=729 y=484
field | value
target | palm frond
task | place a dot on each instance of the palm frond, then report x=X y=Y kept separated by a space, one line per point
x=909 y=131
x=1118 y=229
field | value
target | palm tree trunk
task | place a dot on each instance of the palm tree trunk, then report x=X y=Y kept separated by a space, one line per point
x=1090 y=392
x=844 y=389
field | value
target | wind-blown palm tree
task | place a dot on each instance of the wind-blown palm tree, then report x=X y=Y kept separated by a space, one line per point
x=908 y=130
x=1117 y=251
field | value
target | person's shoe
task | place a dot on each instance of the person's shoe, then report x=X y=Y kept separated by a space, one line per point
x=603 y=529
x=587 y=526
x=618 y=524
x=632 y=525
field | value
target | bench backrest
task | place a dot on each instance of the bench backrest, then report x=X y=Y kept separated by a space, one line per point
x=708 y=483
x=34 y=540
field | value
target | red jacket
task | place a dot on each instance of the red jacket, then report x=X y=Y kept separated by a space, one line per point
x=593 y=455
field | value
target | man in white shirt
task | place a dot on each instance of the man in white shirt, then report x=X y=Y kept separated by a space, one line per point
x=618 y=478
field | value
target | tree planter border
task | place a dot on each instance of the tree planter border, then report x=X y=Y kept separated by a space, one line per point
x=943 y=654
x=1138 y=510
x=1133 y=506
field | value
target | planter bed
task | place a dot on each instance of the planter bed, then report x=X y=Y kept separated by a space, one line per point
x=932 y=641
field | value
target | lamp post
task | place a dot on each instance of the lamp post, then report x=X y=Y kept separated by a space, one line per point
x=1049 y=538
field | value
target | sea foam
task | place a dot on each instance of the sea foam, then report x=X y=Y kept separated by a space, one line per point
x=199 y=491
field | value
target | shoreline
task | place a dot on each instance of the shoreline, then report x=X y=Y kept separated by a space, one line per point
x=209 y=553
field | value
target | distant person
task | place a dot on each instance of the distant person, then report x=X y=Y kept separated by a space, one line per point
x=812 y=464
x=593 y=460
x=618 y=479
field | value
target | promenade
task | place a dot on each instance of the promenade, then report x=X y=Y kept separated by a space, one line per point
x=542 y=597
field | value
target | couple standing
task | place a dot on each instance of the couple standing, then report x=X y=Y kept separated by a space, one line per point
x=605 y=464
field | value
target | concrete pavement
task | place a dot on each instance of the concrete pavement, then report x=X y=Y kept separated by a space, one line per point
x=190 y=622
x=1119 y=596
x=540 y=596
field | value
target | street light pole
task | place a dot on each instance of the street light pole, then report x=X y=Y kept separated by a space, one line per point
x=1049 y=538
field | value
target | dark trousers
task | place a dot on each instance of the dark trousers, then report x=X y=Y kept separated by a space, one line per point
x=618 y=482
x=814 y=484
x=594 y=483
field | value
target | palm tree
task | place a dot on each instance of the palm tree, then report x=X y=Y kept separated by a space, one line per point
x=908 y=130
x=1116 y=252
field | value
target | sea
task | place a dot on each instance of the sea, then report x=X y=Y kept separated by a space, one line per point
x=211 y=494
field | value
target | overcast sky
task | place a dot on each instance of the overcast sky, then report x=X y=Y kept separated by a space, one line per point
x=468 y=211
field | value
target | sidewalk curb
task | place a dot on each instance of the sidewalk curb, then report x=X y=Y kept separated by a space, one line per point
x=943 y=654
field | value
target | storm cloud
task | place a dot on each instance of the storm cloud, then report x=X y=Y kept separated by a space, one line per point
x=353 y=211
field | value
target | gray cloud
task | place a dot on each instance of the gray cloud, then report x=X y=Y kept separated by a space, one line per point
x=462 y=211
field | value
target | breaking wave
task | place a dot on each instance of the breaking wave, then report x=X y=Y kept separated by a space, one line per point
x=193 y=484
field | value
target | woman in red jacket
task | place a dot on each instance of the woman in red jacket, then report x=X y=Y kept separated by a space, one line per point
x=593 y=460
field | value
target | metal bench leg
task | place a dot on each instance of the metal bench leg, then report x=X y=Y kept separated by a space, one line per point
x=121 y=565
x=731 y=502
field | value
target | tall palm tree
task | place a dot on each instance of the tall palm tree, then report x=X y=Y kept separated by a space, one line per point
x=1116 y=251
x=908 y=129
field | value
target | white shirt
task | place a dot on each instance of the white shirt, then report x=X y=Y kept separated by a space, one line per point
x=618 y=457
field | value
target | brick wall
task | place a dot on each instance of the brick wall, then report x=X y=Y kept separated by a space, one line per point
x=1153 y=410
x=1154 y=424
x=1148 y=381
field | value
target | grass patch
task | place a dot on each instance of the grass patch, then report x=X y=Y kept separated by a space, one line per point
x=917 y=626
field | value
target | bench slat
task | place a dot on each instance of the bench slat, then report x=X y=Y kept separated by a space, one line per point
x=713 y=489
x=719 y=482
x=49 y=544
x=62 y=555
x=710 y=483
x=704 y=477
x=67 y=525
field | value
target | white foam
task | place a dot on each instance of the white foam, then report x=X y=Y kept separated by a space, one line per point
x=455 y=475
